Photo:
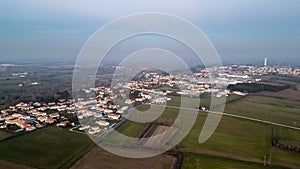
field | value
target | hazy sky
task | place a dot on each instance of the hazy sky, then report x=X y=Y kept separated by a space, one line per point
x=239 y=29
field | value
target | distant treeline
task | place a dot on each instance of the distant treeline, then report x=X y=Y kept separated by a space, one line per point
x=255 y=87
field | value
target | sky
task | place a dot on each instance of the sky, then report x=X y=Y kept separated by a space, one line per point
x=242 y=31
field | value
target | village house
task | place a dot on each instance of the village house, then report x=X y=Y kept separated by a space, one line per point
x=84 y=127
x=102 y=123
x=62 y=124
x=54 y=115
x=49 y=121
x=114 y=116
x=41 y=118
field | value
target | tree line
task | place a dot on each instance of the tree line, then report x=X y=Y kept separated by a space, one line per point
x=256 y=87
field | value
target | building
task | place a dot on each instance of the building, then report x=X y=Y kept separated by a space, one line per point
x=266 y=62
x=102 y=123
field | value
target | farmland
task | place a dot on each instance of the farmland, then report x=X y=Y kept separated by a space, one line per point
x=46 y=148
x=191 y=161
x=266 y=108
x=292 y=93
x=240 y=137
x=98 y=158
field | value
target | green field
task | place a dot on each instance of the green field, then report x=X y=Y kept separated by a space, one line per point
x=50 y=147
x=203 y=101
x=232 y=136
x=266 y=108
x=240 y=137
x=193 y=161
x=245 y=139
x=131 y=129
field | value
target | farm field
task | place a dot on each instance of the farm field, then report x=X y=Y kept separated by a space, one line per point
x=242 y=137
x=98 y=158
x=261 y=107
x=203 y=101
x=131 y=129
x=192 y=161
x=50 y=147
x=266 y=108
x=291 y=94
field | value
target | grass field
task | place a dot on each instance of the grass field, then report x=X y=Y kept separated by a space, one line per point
x=292 y=93
x=242 y=137
x=50 y=147
x=193 y=161
x=232 y=136
x=266 y=108
x=229 y=132
x=203 y=101
x=131 y=129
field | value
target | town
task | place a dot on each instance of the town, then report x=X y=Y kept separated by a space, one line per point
x=102 y=111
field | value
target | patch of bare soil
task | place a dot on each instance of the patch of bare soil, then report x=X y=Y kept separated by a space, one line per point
x=98 y=158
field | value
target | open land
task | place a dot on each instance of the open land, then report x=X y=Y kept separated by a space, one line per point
x=245 y=138
x=98 y=158
x=49 y=147
x=191 y=161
